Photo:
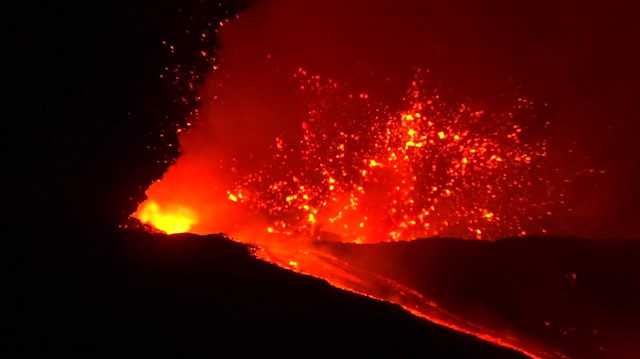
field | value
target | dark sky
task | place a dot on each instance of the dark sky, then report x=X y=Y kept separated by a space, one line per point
x=87 y=100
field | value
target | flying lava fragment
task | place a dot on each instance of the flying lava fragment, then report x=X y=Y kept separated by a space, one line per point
x=357 y=171
x=309 y=131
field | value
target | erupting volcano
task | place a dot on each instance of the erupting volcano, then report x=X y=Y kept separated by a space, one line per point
x=328 y=123
x=323 y=178
x=356 y=171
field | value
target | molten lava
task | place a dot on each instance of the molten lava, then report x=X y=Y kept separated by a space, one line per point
x=367 y=174
x=357 y=171
x=171 y=219
x=354 y=170
x=283 y=157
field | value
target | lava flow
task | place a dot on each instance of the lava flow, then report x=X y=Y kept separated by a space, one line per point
x=356 y=171
x=298 y=142
x=307 y=258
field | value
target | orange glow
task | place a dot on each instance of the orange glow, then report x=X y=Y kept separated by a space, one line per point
x=428 y=168
x=176 y=219
x=360 y=151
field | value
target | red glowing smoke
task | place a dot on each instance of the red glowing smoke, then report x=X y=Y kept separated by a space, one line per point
x=473 y=163
x=368 y=121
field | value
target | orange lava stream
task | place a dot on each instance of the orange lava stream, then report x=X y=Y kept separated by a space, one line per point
x=303 y=257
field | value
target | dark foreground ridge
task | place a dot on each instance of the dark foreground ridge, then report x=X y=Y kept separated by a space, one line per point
x=576 y=296
x=129 y=293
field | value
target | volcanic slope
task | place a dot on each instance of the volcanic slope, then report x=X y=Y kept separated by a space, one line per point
x=574 y=296
x=129 y=293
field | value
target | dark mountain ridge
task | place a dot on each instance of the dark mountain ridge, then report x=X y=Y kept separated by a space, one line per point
x=128 y=293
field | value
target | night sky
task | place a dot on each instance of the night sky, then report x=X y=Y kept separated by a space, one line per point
x=87 y=100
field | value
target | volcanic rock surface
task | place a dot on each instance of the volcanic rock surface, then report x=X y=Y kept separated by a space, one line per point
x=130 y=293
x=575 y=296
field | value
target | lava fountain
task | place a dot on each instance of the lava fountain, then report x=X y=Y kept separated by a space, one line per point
x=357 y=171
x=309 y=131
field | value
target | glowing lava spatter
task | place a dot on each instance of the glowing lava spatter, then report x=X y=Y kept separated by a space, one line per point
x=362 y=173
x=357 y=170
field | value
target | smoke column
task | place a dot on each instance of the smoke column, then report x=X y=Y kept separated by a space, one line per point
x=487 y=55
